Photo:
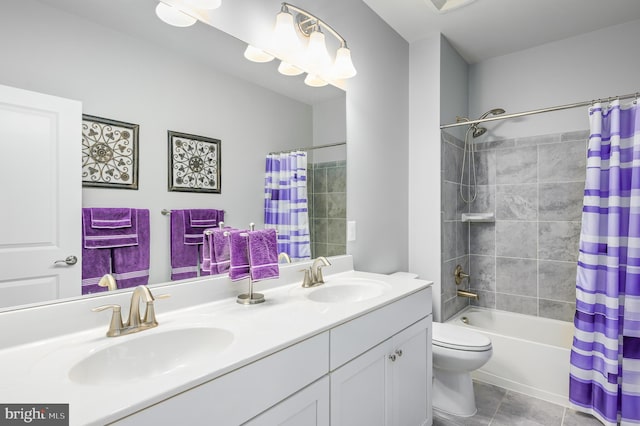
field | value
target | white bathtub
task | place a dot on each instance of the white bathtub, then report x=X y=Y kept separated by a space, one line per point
x=530 y=354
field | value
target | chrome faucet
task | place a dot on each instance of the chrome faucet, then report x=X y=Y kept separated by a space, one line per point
x=135 y=322
x=313 y=275
x=108 y=281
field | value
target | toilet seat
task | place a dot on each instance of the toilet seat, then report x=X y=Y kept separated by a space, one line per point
x=455 y=337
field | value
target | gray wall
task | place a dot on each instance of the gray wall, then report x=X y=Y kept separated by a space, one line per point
x=526 y=261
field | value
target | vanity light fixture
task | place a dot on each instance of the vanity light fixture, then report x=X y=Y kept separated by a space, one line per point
x=172 y=14
x=314 y=58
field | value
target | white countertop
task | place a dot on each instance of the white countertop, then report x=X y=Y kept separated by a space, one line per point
x=37 y=372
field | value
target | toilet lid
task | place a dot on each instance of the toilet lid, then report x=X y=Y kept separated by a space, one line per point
x=456 y=337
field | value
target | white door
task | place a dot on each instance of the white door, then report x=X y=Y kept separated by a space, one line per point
x=360 y=389
x=412 y=374
x=40 y=197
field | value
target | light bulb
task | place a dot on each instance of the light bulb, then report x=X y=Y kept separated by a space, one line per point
x=174 y=16
x=314 y=81
x=317 y=57
x=256 y=55
x=288 y=69
x=343 y=67
x=285 y=39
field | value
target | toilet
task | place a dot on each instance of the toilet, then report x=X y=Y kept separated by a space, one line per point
x=457 y=352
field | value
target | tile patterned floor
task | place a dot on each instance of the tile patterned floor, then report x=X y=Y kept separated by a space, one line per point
x=501 y=407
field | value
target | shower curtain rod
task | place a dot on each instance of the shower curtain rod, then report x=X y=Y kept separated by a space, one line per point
x=309 y=148
x=539 y=111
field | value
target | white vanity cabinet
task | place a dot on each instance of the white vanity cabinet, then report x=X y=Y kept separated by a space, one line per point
x=390 y=383
x=374 y=369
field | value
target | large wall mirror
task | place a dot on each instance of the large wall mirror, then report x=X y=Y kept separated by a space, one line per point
x=124 y=64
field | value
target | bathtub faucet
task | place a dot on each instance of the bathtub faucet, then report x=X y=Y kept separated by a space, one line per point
x=464 y=293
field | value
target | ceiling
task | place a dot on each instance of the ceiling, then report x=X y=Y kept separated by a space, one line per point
x=202 y=43
x=488 y=28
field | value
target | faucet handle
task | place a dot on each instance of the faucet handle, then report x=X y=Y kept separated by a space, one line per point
x=150 y=313
x=115 y=326
x=162 y=296
x=306 y=281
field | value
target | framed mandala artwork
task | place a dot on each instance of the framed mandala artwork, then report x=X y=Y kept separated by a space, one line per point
x=109 y=153
x=194 y=163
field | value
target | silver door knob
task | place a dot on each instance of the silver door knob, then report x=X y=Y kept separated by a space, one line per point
x=392 y=357
x=399 y=352
x=70 y=260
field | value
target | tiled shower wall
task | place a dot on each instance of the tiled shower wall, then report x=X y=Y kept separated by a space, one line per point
x=525 y=261
x=327 y=194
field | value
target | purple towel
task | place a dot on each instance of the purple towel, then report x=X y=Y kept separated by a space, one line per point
x=219 y=250
x=95 y=238
x=238 y=254
x=184 y=258
x=263 y=254
x=203 y=218
x=131 y=264
x=95 y=264
x=110 y=218
x=193 y=234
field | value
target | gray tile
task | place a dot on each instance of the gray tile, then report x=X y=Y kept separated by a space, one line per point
x=520 y=304
x=561 y=200
x=518 y=165
x=337 y=205
x=454 y=305
x=524 y=410
x=483 y=272
x=563 y=311
x=516 y=239
x=482 y=238
x=452 y=162
x=485 y=167
x=462 y=238
x=517 y=276
x=537 y=140
x=495 y=144
x=558 y=240
x=337 y=179
x=575 y=418
x=486 y=299
x=517 y=202
x=448 y=282
x=449 y=240
x=319 y=205
x=336 y=249
x=485 y=199
x=557 y=280
x=488 y=398
x=337 y=231
x=320 y=231
x=453 y=205
x=319 y=180
x=578 y=135
x=565 y=161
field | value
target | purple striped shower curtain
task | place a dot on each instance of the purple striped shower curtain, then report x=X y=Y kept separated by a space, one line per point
x=285 y=203
x=605 y=356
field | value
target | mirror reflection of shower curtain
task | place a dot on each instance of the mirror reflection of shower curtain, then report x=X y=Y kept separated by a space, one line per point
x=285 y=202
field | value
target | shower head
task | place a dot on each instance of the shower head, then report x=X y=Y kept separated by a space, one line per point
x=479 y=131
x=495 y=111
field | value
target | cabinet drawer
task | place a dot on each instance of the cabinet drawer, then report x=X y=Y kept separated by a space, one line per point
x=360 y=334
x=242 y=394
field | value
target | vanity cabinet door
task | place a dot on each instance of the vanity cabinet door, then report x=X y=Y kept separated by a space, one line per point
x=388 y=385
x=360 y=389
x=411 y=378
x=309 y=407
x=40 y=167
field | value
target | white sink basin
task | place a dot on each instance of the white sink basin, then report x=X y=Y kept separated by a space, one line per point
x=348 y=290
x=150 y=355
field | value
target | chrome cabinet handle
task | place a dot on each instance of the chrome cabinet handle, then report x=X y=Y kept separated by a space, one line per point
x=392 y=357
x=70 y=260
x=399 y=352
